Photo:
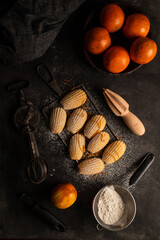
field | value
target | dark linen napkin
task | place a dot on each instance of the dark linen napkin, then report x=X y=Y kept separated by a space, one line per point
x=28 y=28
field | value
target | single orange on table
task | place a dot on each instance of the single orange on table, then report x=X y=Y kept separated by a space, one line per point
x=136 y=25
x=63 y=195
x=143 y=50
x=116 y=59
x=112 y=17
x=97 y=40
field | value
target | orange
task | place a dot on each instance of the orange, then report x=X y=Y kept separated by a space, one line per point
x=143 y=50
x=63 y=195
x=112 y=17
x=136 y=25
x=116 y=59
x=97 y=40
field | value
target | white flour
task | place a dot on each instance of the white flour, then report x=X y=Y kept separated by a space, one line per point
x=110 y=206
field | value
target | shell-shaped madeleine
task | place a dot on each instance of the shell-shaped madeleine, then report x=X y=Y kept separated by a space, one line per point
x=57 y=120
x=98 y=142
x=76 y=120
x=91 y=166
x=74 y=99
x=77 y=146
x=113 y=152
x=95 y=125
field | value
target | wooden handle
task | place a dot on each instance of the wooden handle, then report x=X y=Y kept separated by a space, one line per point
x=134 y=124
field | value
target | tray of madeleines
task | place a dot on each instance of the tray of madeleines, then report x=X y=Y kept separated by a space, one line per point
x=84 y=131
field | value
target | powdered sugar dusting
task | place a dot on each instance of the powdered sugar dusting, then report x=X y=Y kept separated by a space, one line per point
x=66 y=169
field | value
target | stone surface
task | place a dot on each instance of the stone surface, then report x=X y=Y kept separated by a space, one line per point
x=140 y=89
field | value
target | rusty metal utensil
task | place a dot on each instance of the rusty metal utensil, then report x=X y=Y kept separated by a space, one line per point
x=37 y=168
x=121 y=109
x=26 y=120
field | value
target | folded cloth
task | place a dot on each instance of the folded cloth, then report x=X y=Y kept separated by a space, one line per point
x=29 y=27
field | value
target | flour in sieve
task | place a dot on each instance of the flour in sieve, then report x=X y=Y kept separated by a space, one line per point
x=110 y=206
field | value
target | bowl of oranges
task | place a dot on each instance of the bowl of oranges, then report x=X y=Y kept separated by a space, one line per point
x=117 y=38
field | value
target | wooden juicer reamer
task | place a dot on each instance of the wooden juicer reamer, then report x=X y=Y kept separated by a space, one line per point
x=121 y=109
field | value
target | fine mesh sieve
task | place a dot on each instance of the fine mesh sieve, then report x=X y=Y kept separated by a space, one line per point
x=129 y=211
x=128 y=199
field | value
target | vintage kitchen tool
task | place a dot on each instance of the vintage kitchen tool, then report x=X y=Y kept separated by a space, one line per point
x=127 y=197
x=43 y=213
x=44 y=72
x=26 y=120
x=121 y=109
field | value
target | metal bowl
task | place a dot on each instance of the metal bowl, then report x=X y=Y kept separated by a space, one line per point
x=129 y=212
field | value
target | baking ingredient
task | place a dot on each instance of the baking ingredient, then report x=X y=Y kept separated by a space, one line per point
x=57 y=120
x=63 y=195
x=98 y=142
x=76 y=120
x=97 y=40
x=112 y=17
x=113 y=152
x=116 y=59
x=77 y=146
x=110 y=206
x=95 y=125
x=74 y=99
x=136 y=25
x=143 y=50
x=91 y=166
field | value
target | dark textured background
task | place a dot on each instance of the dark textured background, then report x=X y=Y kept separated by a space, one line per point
x=140 y=89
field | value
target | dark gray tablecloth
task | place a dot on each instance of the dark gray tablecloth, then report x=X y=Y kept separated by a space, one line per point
x=28 y=27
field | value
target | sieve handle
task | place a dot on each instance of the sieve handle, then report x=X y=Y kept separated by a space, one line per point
x=145 y=164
